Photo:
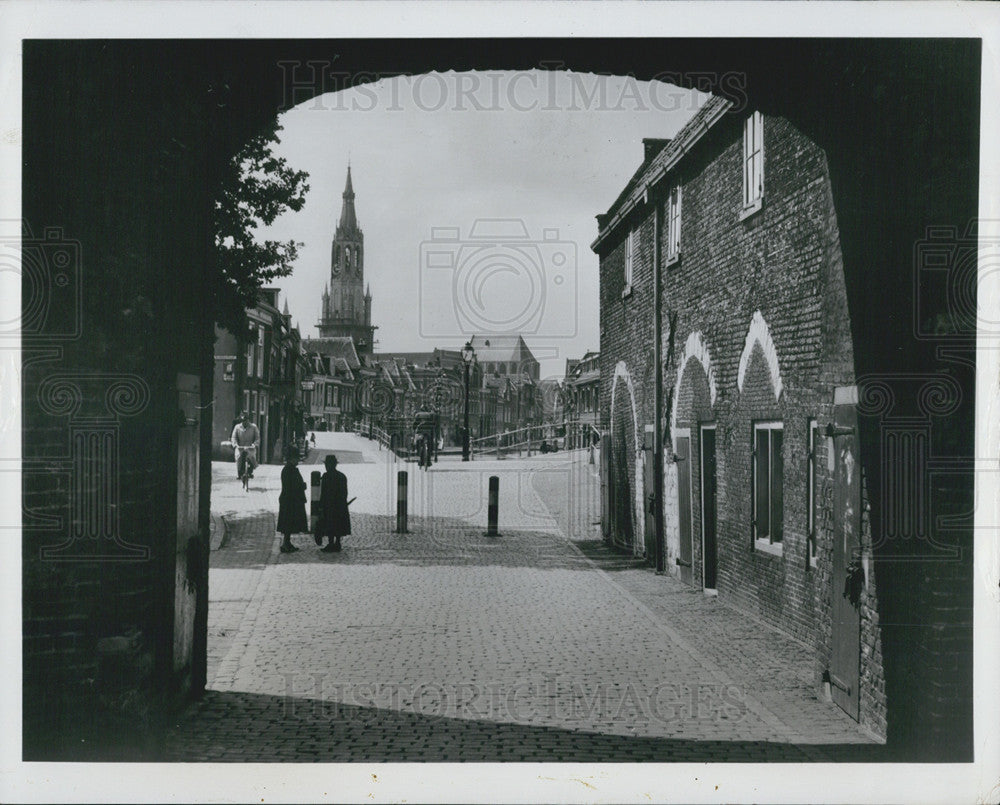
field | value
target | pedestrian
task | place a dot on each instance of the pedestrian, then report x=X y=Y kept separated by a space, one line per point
x=334 y=519
x=292 y=517
x=245 y=438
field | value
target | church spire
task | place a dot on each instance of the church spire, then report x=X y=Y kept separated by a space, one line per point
x=348 y=218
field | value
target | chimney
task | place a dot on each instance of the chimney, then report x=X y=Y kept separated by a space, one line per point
x=651 y=146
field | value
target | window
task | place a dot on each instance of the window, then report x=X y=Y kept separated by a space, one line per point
x=629 y=256
x=246 y=401
x=753 y=162
x=674 y=225
x=811 y=494
x=768 y=518
x=260 y=352
x=250 y=358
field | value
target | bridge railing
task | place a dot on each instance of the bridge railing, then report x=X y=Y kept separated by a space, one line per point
x=380 y=435
x=530 y=438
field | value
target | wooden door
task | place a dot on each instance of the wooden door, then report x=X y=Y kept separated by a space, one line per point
x=709 y=546
x=682 y=451
x=649 y=498
x=846 y=614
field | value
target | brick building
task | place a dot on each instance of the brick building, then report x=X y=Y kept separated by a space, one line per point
x=503 y=387
x=328 y=392
x=760 y=452
x=335 y=376
x=581 y=395
x=259 y=372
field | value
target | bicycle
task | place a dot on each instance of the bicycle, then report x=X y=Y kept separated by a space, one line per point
x=244 y=466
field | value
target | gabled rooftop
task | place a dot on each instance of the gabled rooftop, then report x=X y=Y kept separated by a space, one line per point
x=655 y=168
x=335 y=346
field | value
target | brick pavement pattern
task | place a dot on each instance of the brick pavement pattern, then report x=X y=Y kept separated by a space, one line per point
x=446 y=645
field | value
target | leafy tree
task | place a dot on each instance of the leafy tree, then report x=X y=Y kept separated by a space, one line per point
x=256 y=188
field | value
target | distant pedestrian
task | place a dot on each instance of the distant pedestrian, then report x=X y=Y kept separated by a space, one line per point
x=292 y=517
x=334 y=519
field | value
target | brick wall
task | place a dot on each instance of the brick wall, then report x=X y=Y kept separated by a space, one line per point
x=626 y=335
x=101 y=551
x=784 y=261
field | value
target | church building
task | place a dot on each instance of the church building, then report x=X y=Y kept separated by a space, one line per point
x=347 y=304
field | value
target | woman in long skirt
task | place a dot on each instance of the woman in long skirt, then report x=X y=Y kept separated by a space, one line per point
x=292 y=517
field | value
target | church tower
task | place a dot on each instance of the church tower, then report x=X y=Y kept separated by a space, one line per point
x=347 y=304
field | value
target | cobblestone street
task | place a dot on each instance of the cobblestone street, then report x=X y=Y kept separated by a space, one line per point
x=446 y=645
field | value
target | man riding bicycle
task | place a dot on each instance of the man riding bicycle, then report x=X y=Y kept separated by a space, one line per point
x=245 y=439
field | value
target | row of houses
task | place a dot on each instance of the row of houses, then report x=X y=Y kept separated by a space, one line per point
x=290 y=386
x=504 y=390
x=728 y=389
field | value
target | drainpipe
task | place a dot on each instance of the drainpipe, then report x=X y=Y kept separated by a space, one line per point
x=661 y=550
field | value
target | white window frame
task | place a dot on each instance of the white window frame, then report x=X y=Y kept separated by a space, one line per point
x=753 y=164
x=674 y=203
x=766 y=544
x=629 y=261
x=250 y=357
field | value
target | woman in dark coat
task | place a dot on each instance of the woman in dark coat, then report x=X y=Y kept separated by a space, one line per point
x=334 y=518
x=291 y=503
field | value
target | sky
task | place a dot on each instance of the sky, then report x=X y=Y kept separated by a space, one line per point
x=476 y=193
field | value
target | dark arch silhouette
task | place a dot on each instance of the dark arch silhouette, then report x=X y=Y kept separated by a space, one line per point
x=122 y=144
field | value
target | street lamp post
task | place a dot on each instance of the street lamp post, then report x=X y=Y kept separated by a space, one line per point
x=468 y=356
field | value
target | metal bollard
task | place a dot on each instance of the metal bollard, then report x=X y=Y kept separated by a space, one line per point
x=494 y=505
x=314 y=480
x=401 y=487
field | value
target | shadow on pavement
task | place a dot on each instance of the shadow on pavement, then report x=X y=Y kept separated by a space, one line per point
x=437 y=541
x=246 y=727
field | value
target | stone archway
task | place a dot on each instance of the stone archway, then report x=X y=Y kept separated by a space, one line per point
x=694 y=396
x=626 y=464
x=120 y=143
